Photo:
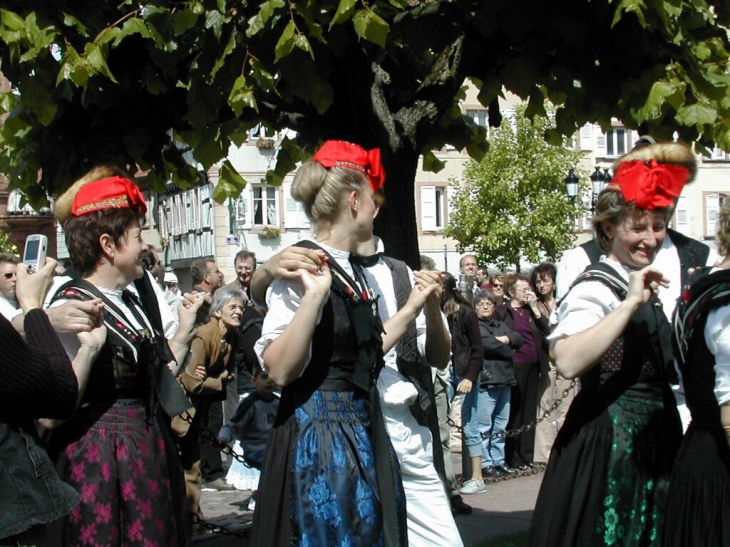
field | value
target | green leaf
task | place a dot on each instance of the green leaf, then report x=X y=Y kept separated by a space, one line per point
x=431 y=163
x=302 y=43
x=696 y=115
x=658 y=94
x=344 y=12
x=71 y=21
x=285 y=45
x=184 y=20
x=231 y=178
x=97 y=61
x=215 y=20
x=230 y=46
x=370 y=26
x=134 y=25
x=258 y=21
x=11 y=20
x=38 y=99
x=242 y=96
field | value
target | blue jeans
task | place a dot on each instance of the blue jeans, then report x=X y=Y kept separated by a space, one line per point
x=469 y=423
x=492 y=417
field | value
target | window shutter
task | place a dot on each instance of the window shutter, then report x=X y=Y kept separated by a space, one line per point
x=451 y=192
x=712 y=208
x=586 y=137
x=294 y=216
x=600 y=137
x=682 y=212
x=428 y=208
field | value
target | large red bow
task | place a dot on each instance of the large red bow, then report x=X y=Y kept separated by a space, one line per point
x=352 y=156
x=650 y=184
x=110 y=193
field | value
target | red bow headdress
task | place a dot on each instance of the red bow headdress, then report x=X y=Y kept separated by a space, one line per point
x=352 y=156
x=650 y=184
x=108 y=193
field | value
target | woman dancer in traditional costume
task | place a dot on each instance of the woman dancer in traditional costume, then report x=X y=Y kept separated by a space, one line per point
x=608 y=474
x=330 y=476
x=699 y=491
x=117 y=450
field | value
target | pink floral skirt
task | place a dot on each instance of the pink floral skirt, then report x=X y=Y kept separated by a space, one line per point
x=129 y=478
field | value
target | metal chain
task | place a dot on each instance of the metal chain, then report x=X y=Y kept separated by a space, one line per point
x=527 y=427
x=220 y=529
x=205 y=433
x=217 y=528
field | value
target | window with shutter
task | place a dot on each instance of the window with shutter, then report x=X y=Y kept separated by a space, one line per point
x=428 y=208
x=713 y=203
x=294 y=216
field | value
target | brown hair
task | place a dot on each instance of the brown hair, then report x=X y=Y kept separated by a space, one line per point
x=83 y=233
x=611 y=207
x=512 y=279
x=723 y=229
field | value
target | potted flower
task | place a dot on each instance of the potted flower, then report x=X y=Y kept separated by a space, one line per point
x=269 y=232
x=265 y=142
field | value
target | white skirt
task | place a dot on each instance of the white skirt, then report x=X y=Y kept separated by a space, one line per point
x=240 y=476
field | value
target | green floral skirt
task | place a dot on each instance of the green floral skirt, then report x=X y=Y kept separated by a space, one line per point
x=607 y=480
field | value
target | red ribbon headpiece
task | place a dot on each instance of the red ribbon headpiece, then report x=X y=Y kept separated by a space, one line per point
x=650 y=184
x=110 y=193
x=352 y=156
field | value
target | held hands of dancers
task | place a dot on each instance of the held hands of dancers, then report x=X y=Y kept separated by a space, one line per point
x=642 y=283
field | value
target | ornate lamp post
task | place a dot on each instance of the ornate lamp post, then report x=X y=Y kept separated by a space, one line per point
x=572 y=184
x=598 y=181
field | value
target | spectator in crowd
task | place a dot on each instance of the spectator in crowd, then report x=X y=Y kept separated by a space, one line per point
x=245 y=265
x=207 y=279
x=206 y=276
x=697 y=510
x=117 y=449
x=171 y=299
x=249 y=428
x=212 y=351
x=496 y=380
x=468 y=266
x=496 y=281
x=608 y=475
x=552 y=385
x=9 y=307
x=172 y=284
x=466 y=357
x=482 y=279
x=39 y=381
x=170 y=291
x=523 y=315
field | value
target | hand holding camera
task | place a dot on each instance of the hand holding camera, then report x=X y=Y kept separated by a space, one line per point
x=30 y=290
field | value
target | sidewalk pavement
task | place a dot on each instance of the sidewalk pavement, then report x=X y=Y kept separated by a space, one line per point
x=505 y=508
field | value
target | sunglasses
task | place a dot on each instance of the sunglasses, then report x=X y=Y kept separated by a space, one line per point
x=9 y=275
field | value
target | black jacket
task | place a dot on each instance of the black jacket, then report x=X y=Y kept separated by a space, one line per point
x=497 y=368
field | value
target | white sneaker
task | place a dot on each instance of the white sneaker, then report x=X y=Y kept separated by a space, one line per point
x=473 y=487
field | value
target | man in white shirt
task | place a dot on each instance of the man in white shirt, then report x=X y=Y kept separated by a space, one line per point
x=8 y=304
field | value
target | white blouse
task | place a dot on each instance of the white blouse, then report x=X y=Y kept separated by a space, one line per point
x=284 y=296
x=717 y=338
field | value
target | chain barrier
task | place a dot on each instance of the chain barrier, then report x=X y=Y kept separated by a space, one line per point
x=527 y=427
x=218 y=529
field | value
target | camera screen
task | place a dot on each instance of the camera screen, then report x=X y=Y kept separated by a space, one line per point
x=31 y=249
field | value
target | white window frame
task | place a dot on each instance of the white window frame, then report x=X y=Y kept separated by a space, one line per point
x=612 y=141
x=681 y=214
x=294 y=215
x=712 y=203
x=274 y=191
x=434 y=207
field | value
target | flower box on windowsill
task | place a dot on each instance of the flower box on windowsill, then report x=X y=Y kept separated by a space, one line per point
x=267 y=232
x=265 y=142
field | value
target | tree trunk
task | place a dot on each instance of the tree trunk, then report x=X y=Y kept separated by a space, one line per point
x=396 y=223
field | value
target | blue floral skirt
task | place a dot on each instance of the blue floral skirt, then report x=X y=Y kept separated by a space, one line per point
x=319 y=486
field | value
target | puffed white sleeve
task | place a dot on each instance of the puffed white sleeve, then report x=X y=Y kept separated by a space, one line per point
x=717 y=337
x=283 y=298
x=584 y=306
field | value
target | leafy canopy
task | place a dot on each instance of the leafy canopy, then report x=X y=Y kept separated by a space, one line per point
x=154 y=84
x=513 y=204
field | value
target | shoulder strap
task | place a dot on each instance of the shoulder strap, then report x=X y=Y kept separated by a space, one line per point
x=593 y=250
x=250 y=323
x=600 y=271
x=704 y=293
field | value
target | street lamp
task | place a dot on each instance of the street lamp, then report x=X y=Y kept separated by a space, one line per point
x=598 y=181
x=607 y=178
x=572 y=182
